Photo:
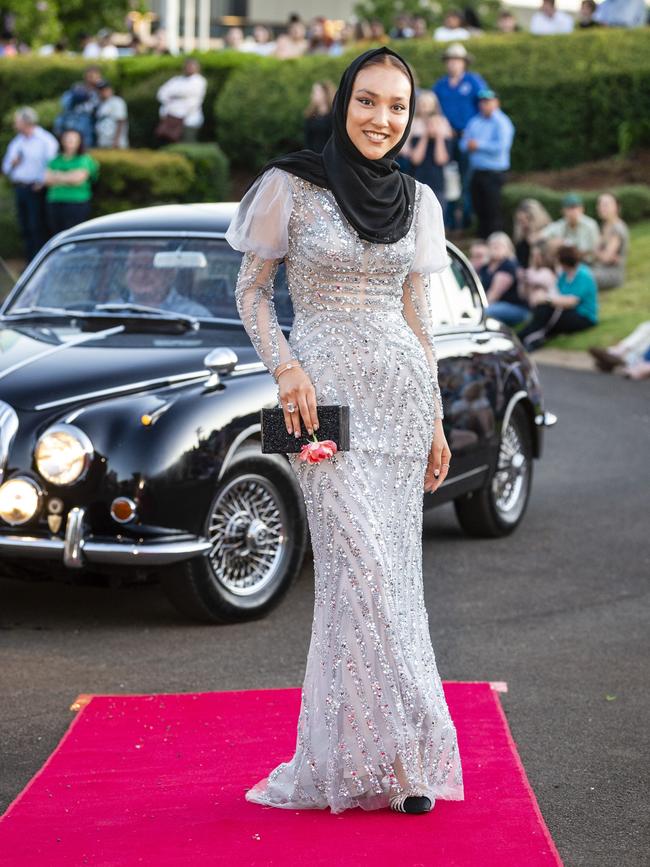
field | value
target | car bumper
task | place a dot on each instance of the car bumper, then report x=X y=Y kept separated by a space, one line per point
x=76 y=550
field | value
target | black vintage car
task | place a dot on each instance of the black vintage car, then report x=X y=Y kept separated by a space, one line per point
x=130 y=402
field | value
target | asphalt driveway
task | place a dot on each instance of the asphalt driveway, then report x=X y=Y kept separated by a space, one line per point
x=559 y=611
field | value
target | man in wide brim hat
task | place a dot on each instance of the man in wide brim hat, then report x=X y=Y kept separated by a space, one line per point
x=458 y=51
x=457 y=93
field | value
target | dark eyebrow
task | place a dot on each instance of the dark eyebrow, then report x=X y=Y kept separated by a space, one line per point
x=370 y=93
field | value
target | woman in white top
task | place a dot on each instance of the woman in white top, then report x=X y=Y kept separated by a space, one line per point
x=360 y=240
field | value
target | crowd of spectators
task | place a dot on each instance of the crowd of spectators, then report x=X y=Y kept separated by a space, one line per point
x=323 y=35
x=95 y=111
x=547 y=278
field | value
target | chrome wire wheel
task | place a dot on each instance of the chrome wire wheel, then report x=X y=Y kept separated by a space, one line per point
x=248 y=528
x=510 y=480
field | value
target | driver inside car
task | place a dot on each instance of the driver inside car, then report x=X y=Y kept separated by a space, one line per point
x=154 y=287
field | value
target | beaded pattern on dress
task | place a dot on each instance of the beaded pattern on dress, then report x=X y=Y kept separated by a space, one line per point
x=364 y=334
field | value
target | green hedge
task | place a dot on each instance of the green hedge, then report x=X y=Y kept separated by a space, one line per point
x=634 y=200
x=11 y=244
x=570 y=97
x=137 y=178
x=211 y=171
x=28 y=79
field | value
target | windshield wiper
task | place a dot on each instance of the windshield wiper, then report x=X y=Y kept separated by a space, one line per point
x=131 y=307
x=37 y=312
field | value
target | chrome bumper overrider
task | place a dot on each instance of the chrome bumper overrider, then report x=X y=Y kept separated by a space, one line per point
x=75 y=550
x=545 y=419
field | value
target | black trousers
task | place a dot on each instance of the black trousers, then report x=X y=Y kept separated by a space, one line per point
x=485 y=187
x=65 y=215
x=548 y=320
x=30 y=208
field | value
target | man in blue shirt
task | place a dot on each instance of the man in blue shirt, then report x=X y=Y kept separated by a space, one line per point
x=24 y=164
x=621 y=13
x=487 y=140
x=457 y=94
x=572 y=307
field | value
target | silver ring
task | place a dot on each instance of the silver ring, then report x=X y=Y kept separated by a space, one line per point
x=291 y=407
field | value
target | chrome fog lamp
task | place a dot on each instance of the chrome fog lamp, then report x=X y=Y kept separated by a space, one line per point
x=20 y=499
x=63 y=454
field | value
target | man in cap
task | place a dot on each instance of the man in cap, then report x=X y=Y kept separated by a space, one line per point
x=488 y=140
x=457 y=93
x=112 y=118
x=575 y=227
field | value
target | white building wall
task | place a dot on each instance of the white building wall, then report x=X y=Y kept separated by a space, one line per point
x=277 y=11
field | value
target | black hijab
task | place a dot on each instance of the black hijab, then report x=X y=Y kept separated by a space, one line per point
x=375 y=196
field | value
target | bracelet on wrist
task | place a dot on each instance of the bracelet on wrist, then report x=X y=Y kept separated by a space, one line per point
x=286 y=365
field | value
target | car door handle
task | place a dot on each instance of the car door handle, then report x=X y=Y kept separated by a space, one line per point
x=482 y=338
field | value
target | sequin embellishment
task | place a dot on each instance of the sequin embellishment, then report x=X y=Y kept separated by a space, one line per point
x=372 y=704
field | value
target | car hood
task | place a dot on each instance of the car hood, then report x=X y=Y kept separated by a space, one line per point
x=38 y=372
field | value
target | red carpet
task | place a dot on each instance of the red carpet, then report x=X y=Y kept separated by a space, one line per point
x=159 y=780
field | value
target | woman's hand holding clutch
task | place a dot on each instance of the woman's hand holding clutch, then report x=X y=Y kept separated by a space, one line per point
x=298 y=398
x=439 y=459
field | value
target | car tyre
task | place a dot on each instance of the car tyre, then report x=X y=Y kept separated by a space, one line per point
x=258 y=523
x=498 y=507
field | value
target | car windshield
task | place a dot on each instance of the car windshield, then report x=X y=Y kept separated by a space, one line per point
x=117 y=276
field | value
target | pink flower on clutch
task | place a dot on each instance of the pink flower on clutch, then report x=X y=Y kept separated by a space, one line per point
x=317 y=451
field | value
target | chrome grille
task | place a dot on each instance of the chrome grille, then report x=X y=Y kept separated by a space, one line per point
x=8 y=428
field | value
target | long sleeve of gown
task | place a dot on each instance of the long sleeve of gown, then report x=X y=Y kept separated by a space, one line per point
x=430 y=257
x=259 y=229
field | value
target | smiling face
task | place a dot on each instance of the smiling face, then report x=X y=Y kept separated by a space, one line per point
x=378 y=112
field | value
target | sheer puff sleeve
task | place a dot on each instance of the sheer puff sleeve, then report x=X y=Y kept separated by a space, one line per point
x=259 y=229
x=430 y=257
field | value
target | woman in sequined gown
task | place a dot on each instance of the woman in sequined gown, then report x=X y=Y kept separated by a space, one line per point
x=374 y=724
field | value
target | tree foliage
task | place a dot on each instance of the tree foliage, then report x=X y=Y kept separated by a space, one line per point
x=45 y=21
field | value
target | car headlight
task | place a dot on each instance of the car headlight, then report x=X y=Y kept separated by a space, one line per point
x=20 y=499
x=63 y=454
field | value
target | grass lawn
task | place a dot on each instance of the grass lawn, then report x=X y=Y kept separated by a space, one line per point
x=620 y=309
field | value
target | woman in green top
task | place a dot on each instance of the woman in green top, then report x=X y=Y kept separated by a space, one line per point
x=69 y=178
x=573 y=306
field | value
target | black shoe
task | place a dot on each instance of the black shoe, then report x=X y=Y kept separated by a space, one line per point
x=406 y=803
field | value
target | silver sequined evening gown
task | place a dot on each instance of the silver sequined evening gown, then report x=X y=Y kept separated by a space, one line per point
x=372 y=694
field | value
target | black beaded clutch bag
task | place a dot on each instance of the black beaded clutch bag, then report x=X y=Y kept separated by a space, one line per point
x=333 y=421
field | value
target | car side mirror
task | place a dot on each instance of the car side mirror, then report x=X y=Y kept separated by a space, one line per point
x=221 y=360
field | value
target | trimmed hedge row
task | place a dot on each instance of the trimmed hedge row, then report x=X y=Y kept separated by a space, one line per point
x=27 y=80
x=572 y=98
x=569 y=96
x=136 y=179
x=211 y=171
x=634 y=200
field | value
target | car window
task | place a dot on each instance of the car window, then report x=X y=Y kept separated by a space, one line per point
x=194 y=276
x=455 y=300
x=464 y=303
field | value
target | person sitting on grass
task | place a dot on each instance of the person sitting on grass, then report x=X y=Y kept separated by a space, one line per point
x=540 y=274
x=611 y=250
x=632 y=354
x=574 y=227
x=529 y=219
x=479 y=255
x=573 y=307
x=500 y=281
